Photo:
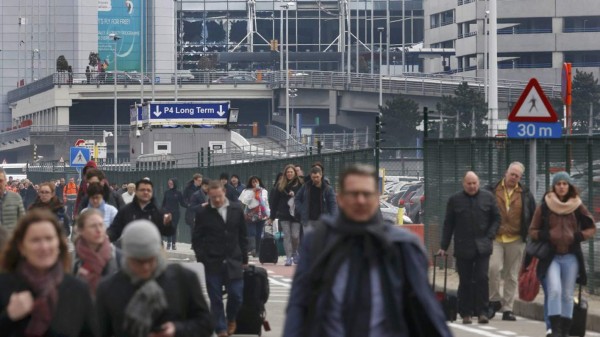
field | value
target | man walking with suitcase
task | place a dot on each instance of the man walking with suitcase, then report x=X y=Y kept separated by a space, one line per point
x=220 y=243
x=473 y=218
x=516 y=205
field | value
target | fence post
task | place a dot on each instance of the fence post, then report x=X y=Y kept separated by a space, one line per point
x=201 y=157
x=319 y=147
x=208 y=155
x=591 y=263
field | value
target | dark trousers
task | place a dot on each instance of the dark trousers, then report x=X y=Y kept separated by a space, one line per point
x=255 y=230
x=174 y=222
x=235 y=297
x=473 y=285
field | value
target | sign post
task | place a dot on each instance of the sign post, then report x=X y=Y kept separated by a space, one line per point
x=531 y=118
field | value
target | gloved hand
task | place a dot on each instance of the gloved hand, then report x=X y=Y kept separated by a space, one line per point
x=578 y=237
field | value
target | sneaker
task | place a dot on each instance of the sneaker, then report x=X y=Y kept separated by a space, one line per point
x=173 y=247
x=508 y=316
x=288 y=262
x=482 y=319
x=296 y=258
x=493 y=308
x=467 y=320
x=549 y=333
x=168 y=246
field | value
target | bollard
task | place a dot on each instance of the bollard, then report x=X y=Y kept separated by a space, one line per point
x=400 y=219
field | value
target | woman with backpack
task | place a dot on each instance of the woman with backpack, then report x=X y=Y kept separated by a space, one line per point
x=283 y=209
x=561 y=223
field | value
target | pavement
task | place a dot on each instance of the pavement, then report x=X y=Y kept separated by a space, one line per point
x=280 y=278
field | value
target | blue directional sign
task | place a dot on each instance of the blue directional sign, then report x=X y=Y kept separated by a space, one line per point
x=187 y=113
x=79 y=156
x=534 y=130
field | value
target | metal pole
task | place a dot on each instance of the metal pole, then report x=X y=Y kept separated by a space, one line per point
x=115 y=75
x=380 y=66
x=533 y=166
x=143 y=50
x=357 y=41
x=403 y=37
x=372 y=38
x=388 y=37
x=175 y=72
x=485 y=57
x=287 y=79
x=493 y=102
x=591 y=123
x=281 y=45
x=32 y=57
x=153 y=49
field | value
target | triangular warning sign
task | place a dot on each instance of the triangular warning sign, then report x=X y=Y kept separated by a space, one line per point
x=62 y=160
x=533 y=106
x=4 y=162
x=79 y=159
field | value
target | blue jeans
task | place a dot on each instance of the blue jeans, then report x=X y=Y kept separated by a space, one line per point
x=560 y=283
x=255 y=230
x=235 y=293
x=545 y=288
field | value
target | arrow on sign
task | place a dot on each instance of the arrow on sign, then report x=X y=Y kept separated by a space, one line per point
x=157 y=113
x=220 y=112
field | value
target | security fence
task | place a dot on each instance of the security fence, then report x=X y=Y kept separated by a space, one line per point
x=334 y=163
x=446 y=161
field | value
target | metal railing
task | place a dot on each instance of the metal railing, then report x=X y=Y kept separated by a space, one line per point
x=419 y=84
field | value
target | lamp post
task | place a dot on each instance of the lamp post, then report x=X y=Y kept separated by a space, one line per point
x=115 y=38
x=33 y=52
x=380 y=29
x=287 y=6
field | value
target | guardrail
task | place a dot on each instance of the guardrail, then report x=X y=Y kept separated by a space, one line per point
x=419 y=84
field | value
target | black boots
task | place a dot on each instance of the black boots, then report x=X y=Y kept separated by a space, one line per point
x=556 y=324
x=566 y=326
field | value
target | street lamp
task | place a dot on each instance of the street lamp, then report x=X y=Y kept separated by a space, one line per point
x=115 y=38
x=33 y=52
x=293 y=93
x=287 y=7
x=380 y=29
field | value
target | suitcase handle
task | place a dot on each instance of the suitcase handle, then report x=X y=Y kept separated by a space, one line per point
x=435 y=257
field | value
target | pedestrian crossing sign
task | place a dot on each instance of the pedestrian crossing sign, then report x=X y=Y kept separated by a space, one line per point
x=533 y=106
x=79 y=156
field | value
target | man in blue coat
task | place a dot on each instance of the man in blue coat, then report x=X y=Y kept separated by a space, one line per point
x=315 y=198
x=359 y=276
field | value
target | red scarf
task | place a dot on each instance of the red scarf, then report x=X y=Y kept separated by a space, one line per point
x=93 y=261
x=45 y=293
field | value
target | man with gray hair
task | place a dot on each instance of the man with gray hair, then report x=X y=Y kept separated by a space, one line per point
x=149 y=297
x=516 y=204
x=11 y=205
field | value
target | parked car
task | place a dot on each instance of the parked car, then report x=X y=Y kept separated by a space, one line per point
x=390 y=213
x=414 y=208
x=124 y=78
x=236 y=79
x=184 y=76
x=405 y=194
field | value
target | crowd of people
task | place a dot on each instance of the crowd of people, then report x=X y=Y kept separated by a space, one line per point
x=491 y=226
x=356 y=275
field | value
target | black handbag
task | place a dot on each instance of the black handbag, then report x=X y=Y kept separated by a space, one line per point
x=539 y=249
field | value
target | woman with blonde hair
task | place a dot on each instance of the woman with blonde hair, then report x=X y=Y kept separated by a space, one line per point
x=282 y=208
x=37 y=295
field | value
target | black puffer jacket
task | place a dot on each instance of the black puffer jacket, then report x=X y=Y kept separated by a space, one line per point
x=132 y=211
x=172 y=199
x=473 y=221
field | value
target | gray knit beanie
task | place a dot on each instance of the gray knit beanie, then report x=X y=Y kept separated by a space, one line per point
x=141 y=240
x=561 y=176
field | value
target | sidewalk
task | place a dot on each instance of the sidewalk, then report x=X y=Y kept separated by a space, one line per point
x=532 y=310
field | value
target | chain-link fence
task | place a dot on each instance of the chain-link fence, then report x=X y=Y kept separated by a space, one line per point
x=446 y=161
x=334 y=163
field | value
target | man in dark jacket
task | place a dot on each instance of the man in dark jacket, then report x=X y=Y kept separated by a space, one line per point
x=232 y=194
x=219 y=241
x=315 y=197
x=143 y=206
x=197 y=199
x=516 y=205
x=110 y=196
x=29 y=195
x=192 y=187
x=359 y=276
x=473 y=218
x=150 y=297
x=172 y=200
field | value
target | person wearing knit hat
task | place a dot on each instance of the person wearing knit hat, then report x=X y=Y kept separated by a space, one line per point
x=133 y=302
x=563 y=223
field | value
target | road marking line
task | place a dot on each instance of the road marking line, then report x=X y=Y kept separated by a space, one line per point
x=508 y=333
x=473 y=330
x=270 y=271
x=487 y=327
x=277 y=301
x=286 y=280
x=285 y=285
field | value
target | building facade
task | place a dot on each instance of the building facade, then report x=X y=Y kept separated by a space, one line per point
x=535 y=37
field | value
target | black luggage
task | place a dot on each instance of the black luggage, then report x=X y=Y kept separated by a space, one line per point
x=252 y=314
x=268 y=247
x=580 y=309
x=448 y=299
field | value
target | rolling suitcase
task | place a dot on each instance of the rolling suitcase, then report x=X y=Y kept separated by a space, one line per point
x=448 y=300
x=252 y=314
x=580 y=309
x=268 y=247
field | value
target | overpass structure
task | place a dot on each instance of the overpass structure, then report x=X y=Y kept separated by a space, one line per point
x=45 y=107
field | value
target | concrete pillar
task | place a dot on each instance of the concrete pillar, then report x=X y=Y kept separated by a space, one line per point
x=333 y=106
x=557 y=60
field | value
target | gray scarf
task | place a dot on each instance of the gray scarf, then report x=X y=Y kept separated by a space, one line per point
x=147 y=304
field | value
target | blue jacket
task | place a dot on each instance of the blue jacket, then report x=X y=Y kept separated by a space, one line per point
x=302 y=201
x=422 y=299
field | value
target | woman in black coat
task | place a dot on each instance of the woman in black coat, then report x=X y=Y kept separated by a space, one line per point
x=37 y=296
x=172 y=199
x=47 y=199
